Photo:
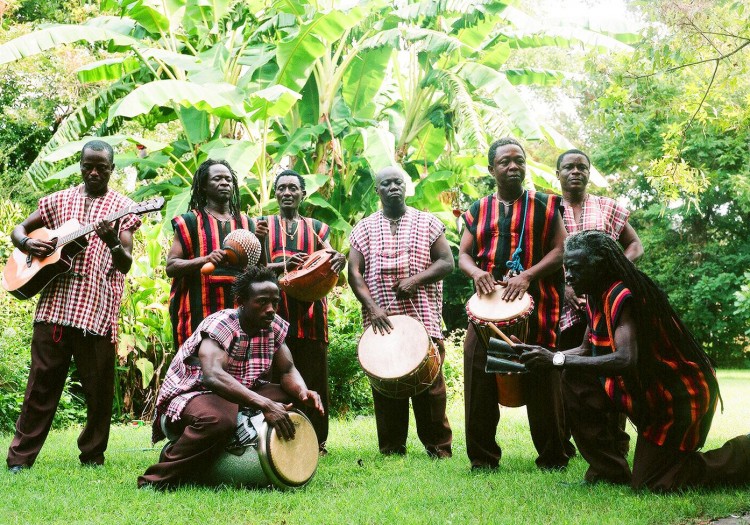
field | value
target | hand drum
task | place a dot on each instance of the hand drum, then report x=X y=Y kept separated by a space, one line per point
x=242 y=249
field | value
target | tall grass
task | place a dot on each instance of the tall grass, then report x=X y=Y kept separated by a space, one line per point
x=355 y=484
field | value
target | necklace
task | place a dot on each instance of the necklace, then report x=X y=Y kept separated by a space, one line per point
x=509 y=203
x=393 y=221
x=286 y=231
x=215 y=217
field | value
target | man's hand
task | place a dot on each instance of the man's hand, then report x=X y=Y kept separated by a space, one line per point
x=516 y=286
x=535 y=357
x=38 y=247
x=380 y=322
x=337 y=261
x=572 y=300
x=312 y=399
x=261 y=228
x=216 y=257
x=484 y=283
x=405 y=288
x=295 y=261
x=277 y=415
x=107 y=233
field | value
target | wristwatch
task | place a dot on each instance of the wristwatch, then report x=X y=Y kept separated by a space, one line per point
x=558 y=359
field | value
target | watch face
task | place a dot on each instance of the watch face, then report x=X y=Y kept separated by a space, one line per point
x=558 y=359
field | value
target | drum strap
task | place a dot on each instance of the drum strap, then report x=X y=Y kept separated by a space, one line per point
x=514 y=265
x=308 y=224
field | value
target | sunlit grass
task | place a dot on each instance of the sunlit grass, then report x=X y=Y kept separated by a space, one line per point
x=355 y=484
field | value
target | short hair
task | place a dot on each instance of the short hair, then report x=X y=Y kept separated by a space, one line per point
x=571 y=152
x=505 y=141
x=242 y=286
x=99 y=145
x=289 y=173
x=198 y=199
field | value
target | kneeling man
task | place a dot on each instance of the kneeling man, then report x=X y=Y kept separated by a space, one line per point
x=219 y=369
x=637 y=357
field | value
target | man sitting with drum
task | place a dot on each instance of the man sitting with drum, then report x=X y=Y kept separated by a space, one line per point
x=219 y=369
x=397 y=261
x=291 y=239
x=638 y=357
x=521 y=231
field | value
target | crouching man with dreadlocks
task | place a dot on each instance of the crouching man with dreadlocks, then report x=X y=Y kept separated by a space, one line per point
x=639 y=358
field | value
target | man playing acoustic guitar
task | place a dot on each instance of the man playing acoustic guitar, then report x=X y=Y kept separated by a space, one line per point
x=77 y=312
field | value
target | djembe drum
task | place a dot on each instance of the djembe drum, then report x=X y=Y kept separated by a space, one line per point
x=402 y=363
x=258 y=457
x=313 y=280
x=488 y=310
x=242 y=249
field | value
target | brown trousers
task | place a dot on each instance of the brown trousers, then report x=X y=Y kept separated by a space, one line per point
x=206 y=425
x=52 y=348
x=543 y=406
x=655 y=467
x=433 y=429
x=311 y=359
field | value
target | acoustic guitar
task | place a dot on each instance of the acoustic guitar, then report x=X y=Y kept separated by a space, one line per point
x=25 y=276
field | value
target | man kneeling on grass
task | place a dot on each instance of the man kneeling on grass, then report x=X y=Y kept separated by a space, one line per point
x=219 y=369
x=639 y=358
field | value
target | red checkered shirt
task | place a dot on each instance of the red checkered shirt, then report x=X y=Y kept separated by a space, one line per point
x=597 y=213
x=249 y=358
x=88 y=296
x=388 y=258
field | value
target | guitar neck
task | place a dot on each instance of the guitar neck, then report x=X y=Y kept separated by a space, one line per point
x=62 y=241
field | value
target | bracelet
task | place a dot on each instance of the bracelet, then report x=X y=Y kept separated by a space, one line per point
x=116 y=247
x=23 y=242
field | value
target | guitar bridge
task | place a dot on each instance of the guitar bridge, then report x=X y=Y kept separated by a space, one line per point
x=29 y=258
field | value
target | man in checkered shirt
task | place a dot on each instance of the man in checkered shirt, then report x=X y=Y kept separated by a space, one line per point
x=398 y=258
x=219 y=369
x=583 y=211
x=76 y=317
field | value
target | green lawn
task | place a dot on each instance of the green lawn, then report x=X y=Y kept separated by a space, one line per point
x=354 y=484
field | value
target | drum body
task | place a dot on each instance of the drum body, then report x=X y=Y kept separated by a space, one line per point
x=262 y=458
x=313 y=280
x=403 y=363
x=512 y=318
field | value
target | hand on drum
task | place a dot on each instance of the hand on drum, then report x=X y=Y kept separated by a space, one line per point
x=380 y=322
x=516 y=286
x=261 y=228
x=312 y=399
x=295 y=261
x=277 y=415
x=337 y=261
x=405 y=288
x=484 y=282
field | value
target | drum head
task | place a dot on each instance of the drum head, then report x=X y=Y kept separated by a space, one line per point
x=394 y=355
x=296 y=460
x=492 y=308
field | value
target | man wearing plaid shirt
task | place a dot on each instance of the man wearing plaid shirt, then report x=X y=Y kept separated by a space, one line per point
x=398 y=258
x=76 y=317
x=219 y=369
x=582 y=211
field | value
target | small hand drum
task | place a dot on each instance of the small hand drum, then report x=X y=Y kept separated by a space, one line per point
x=242 y=248
x=313 y=280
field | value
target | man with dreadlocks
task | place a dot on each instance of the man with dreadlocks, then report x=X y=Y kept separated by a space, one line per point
x=291 y=238
x=639 y=358
x=521 y=231
x=213 y=212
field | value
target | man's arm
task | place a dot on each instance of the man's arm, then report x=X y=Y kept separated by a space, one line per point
x=441 y=267
x=378 y=316
x=21 y=240
x=291 y=380
x=550 y=263
x=623 y=359
x=216 y=379
x=484 y=283
x=178 y=265
x=631 y=243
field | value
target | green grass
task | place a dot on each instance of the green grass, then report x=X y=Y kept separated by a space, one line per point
x=354 y=484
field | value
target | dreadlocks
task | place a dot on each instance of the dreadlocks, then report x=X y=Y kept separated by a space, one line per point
x=198 y=192
x=653 y=310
